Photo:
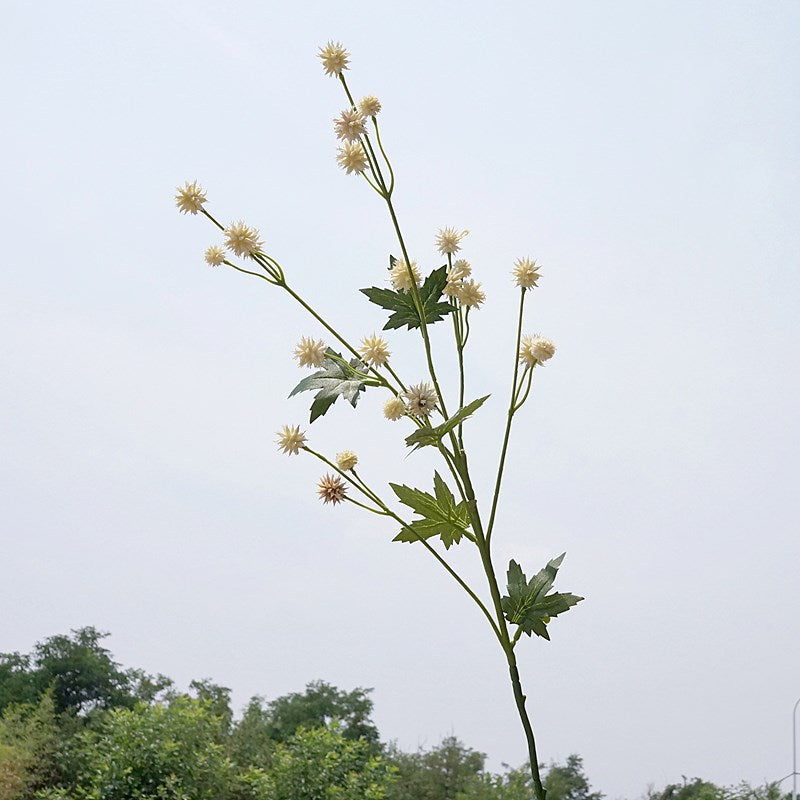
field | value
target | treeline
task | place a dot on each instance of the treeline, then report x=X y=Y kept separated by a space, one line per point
x=75 y=725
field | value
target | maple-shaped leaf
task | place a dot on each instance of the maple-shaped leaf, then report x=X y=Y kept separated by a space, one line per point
x=336 y=378
x=441 y=515
x=401 y=303
x=528 y=603
x=423 y=437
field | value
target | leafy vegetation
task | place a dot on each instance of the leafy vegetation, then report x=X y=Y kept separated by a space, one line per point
x=76 y=726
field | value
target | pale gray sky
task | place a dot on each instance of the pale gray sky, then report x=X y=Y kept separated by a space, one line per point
x=646 y=153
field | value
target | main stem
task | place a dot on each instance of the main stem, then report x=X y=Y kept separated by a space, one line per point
x=519 y=698
x=460 y=469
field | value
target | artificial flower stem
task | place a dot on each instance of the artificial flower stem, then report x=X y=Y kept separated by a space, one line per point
x=510 y=417
x=414 y=288
x=373 y=161
x=249 y=272
x=420 y=310
x=218 y=224
x=367 y=508
x=520 y=698
x=365 y=490
x=519 y=405
x=394 y=375
x=385 y=157
x=454 y=574
x=333 y=331
x=456 y=315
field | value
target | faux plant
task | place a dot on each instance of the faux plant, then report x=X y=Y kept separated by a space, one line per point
x=445 y=514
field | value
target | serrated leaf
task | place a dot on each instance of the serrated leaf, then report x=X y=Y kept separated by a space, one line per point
x=401 y=303
x=335 y=379
x=441 y=515
x=528 y=603
x=423 y=437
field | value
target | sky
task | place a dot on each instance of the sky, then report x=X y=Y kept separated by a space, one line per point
x=644 y=153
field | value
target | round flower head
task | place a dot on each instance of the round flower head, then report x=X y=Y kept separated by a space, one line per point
x=310 y=352
x=470 y=294
x=526 y=273
x=448 y=240
x=370 y=106
x=215 y=255
x=460 y=269
x=331 y=489
x=535 y=350
x=346 y=460
x=290 y=439
x=334 y=58
x=399 y=276
x=394 y=408
x=190 y=198
x=349 y=125
x=451 y=288
x=374 y=350
x=242 y=239
x=421 y=400
x=455 y=276
x=352 y=158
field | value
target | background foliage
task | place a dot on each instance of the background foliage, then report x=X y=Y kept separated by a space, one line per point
x=75 y=725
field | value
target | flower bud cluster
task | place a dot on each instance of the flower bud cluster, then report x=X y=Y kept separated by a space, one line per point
x=535 y=350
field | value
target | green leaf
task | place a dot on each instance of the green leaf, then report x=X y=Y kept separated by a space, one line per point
x=401 y=303
x=441 y=515
x=335 y=379
x=423 y=437
x=528 y=603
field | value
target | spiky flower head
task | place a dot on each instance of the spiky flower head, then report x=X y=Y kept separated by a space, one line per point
x=448 y=240
x=535 y=349
x=349 y=125
x=370 y=106
x=290 y=439
x=331 y=489
x=451 y=288
x=242 y=239
x=215 y=255
x=394 y=408
x=374 y=350
x=352 y=158
x=190 y=198
x=346 y=460
x=526 y=273
x=310 y=352
x=470 y=294
x=455 y=276
x=334 y=58
x=460 y=269
x=421 y=400
x=400 y=277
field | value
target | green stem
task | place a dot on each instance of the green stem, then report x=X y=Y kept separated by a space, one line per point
x=389 y=513
x=420 y=310
x=510 y=417
x=216 y=222
x=414 y=288
x=385 y=157
x=340 y=338
x=248 y=272
x=519 y=699
x=527 y=390
x=367 y=508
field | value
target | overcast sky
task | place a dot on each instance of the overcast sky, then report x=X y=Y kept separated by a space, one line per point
x=645 y=153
